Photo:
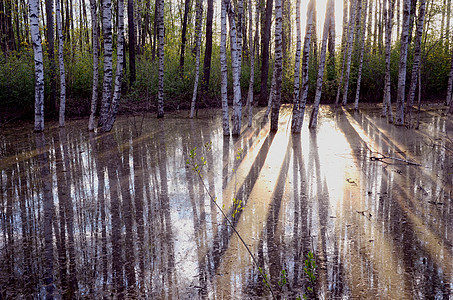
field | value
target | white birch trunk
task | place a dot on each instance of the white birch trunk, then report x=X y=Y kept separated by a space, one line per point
x=296 y=98
x=403 y=64
x=108 y=68
x=344 y=46
x=61 y=65
x=277 y=66
x=362 y=49
x=417 y=59
x=39 y=67
x=387 y=104
x=160 y=92
x=271 y=94
x=252 y=63
x=198 y=23
x=94 y=95
x=119 y=71
x=352 y=20
x=299 y=119
x=224 y=70
x=450 y=84
x=237 y=107
x=314 y=113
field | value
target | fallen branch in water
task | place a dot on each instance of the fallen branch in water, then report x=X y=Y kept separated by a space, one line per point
x=381 y=159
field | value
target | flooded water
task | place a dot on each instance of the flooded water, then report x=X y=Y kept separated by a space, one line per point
x=121 y=215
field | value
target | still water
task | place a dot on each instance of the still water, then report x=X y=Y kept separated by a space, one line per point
x=121 y=215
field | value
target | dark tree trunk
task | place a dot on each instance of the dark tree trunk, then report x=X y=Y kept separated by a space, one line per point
x=183 y=35
x=265 y=38
x=156 y=5
x=208 y=50
x=51 y=54
x=131 y=25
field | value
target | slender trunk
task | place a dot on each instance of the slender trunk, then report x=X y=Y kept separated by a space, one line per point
x=155 y=28
x=252 y=63
x=224 y=71
x=265 y=38
x=278 y=65
x=61 y=63
x=314 y=114
x=447 y=31
x=296 y=99
x=160 y=92
x=271 y=94
x=362 y=48
x=450 y=86
x=94 y=96
x=51 y=54
x=108 y=68
x=299 y=118
x=132 y=41
x=208 y=49
x=344 y=47
x=352 y=16
x=386 y=105
x=39 y=68
x=198 y=24
x=411 y=20
x=402 y=66
x=417 y=58
x=235 y=62
x=119 y=71
x=183 y=36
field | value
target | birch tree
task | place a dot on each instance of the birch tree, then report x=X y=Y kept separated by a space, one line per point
x=198 y=21
x=113 y=110
x=224 y=70
x=449 y=99
x=299 y=111
x=402 y=65
x=362 y=48
x=330 y=13
x=252 y=61
x=160 y=91
x=296 y=99
x=417 y=59
x=61 y=65
x=386 y=105
x=108 y=62
x=278 y=66
x=132 y=40
x=94 y=94
x=350 y=45
x=208 y=47
x=344 y=47
x=39 y=67
x=236 y=68
x=265 y=38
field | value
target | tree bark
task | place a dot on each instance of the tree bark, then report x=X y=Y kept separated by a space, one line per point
x=61 y=64
x=417 y=60
x=450 y=86
x=352 y=18
x=402 y=65
x=94 y=95
x=183 y=35
x=296 y=98
x=362 y=49
x=208 y=49
x=252 y=63
x=39 y=68
x=265 y=38
x=198 y=24
x=330 y=11
x=386 y=105
x=160 y=92
x=344 y=47
x=119 y=71
x=298 y=115
x=51 y=54
x=278 y=66
x=224 y=70
x=108 y=68
x=132 y=41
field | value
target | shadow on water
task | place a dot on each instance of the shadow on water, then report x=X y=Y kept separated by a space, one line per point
x=120 y=215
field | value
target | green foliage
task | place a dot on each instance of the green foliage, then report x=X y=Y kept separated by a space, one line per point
x=310 y=271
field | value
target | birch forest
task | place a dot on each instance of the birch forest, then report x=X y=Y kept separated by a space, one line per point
x=81 y=59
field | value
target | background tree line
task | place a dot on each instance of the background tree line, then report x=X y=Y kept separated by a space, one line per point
x=170 y=53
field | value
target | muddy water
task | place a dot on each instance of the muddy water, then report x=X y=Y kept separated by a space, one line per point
x=120 y=215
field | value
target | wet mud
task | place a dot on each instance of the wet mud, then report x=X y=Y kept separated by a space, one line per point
x=121 y=215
